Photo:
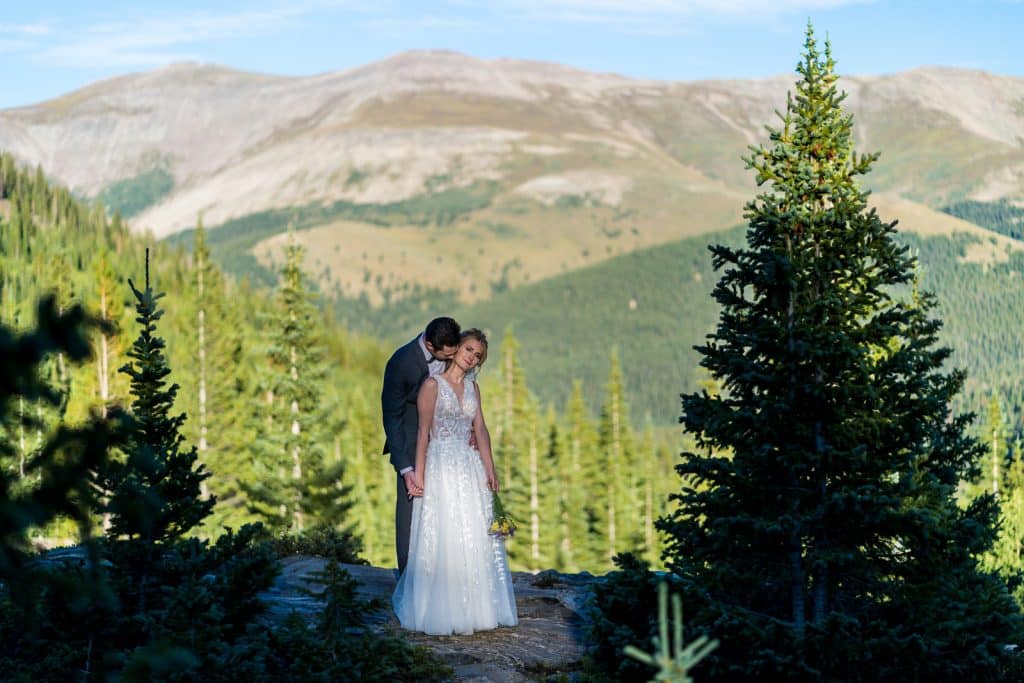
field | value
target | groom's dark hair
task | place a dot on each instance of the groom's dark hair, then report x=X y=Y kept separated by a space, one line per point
x=442 y=332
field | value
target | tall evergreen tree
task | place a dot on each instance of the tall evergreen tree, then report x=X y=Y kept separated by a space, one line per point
x=300 y=486
x=617 y=475
x=1006 y=556
x=372 y=477
x=220 y=387
x=152 y=494
x=515 y=426
x=648 y=471
x=582 y=546
x=105 y=346
x=155 y=491
x=817 y=535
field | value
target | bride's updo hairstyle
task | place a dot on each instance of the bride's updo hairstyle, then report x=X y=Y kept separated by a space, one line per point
x=477 y=334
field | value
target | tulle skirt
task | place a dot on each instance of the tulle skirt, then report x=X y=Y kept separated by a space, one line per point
x=457 y=578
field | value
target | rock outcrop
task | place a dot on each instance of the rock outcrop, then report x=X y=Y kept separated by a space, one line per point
x=547 y=641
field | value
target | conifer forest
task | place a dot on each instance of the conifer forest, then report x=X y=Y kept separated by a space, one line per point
x=842 y=497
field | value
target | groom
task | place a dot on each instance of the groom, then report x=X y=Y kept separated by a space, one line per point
x=405 y=372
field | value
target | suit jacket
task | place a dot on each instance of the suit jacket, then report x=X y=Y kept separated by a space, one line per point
x=403 y=376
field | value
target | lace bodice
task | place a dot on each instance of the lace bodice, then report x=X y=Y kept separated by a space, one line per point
x=453 y=420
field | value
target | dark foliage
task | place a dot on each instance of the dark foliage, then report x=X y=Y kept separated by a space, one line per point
x=328 y=542
x=622 y=611
x=817 y=535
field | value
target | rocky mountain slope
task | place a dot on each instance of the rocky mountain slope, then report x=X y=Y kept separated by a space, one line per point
x=435 y=165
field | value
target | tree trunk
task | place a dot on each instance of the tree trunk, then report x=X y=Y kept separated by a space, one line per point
x=202 y=446
x=534 y=504
x=649 y=517
x=103 y=362
x=995 y=463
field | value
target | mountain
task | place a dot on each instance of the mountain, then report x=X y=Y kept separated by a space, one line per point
x=574 y=206
x=435 y=167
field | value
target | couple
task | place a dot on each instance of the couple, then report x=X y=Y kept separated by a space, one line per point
x=454 y=575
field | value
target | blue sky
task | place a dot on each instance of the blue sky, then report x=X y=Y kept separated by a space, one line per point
x=50 y=47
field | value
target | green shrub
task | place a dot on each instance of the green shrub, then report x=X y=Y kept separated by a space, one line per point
x=320 y=541
x=622 y=611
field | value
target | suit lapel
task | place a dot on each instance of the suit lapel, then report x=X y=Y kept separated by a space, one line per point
x=417 y=353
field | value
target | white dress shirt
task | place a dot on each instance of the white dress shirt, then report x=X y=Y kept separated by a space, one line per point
x=434 y=367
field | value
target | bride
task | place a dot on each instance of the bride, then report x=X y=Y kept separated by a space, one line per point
x=457 y=578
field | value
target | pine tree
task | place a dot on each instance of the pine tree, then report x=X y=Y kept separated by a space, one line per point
x=581 y=545
x=299 y=486
x=511 y=413
x=205 y=282
x=617 y=477
x=105 y=346
x=995 y=435
x=155 y=492
x=1006 y=556
x=516 y=440
x=373 y=479
x=221 y=386
x=817 y=534
x=647 y=465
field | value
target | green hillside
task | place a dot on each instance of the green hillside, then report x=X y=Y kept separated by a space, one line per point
x=652 y=305
x=567 y=324
x=1002 y=216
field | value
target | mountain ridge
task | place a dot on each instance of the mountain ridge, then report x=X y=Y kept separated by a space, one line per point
x=196 y=96
x=549 y=166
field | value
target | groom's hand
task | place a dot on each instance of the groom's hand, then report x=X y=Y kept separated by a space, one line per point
x=411 y=485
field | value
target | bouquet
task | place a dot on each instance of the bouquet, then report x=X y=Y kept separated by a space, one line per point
x=502 y=526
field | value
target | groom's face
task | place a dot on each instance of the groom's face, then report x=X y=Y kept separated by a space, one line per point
x=444 y=353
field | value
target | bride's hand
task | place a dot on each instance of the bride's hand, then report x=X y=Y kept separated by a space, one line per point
x=418 y=478
x=492 y=481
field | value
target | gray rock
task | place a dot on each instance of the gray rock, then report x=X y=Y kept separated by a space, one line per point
x=547 y=642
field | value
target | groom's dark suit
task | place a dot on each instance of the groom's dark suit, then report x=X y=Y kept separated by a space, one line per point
x=403 y=376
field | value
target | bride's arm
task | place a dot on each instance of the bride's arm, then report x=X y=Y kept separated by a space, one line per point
x=483 y=441
x=425 y=401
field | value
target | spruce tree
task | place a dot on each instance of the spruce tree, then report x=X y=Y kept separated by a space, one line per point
x=298 y=485
x=647 y=465
x=582 y=545
x=617 y=475
x=1006 y=557
x=155 y=491
x=105 y=341
x=516 y=439
x=817 y=535
x=220 y=386
x=359 y=447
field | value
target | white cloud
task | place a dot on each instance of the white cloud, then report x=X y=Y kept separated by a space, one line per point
x=18 y=38
x=36 y=29
x=159 y=36
x=605 y=11
x=153 y=40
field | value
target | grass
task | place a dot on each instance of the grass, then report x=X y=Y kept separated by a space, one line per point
x=233 y=241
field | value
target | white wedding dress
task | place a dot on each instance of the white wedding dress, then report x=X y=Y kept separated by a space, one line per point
x=457 y=578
